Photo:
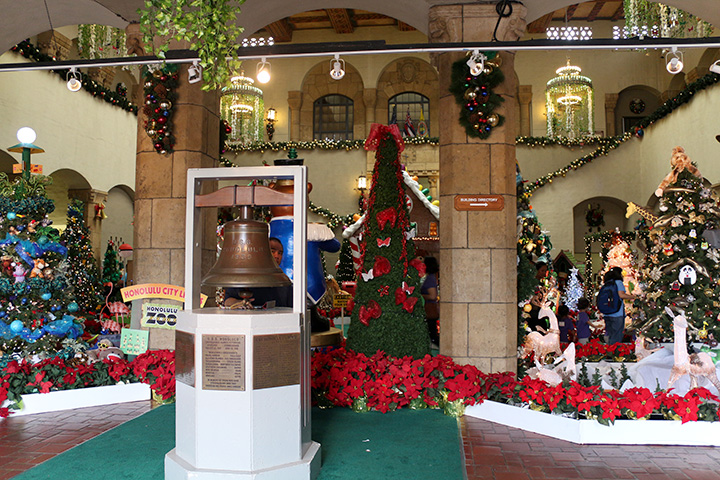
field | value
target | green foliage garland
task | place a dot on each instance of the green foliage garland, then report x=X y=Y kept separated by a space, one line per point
x=475 y=96
x=327 y=144
x=160 y=97
x=28 y=50
x=209 y=26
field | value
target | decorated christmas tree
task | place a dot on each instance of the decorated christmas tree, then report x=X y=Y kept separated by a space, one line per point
x=573 y=290
x=37 y=313
x=345 y=269
x=681 y=270
x=82 y=267
x=621 y=255
x=112 y=272
x=388 y=312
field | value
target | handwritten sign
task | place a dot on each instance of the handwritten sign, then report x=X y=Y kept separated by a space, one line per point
x=134 y=342
x=479 y=202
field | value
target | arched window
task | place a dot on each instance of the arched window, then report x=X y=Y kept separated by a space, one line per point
x=333 y=118
x=415 y=105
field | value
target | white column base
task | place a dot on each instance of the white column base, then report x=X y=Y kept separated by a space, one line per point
x=308 y=467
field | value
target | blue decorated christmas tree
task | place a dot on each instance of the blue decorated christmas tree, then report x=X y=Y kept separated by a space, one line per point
x=37 y=311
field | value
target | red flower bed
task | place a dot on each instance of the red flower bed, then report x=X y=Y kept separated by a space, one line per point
x=156 y=367
x=347 y=379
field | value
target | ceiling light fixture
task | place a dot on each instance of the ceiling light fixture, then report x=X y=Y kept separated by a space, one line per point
x=263 y=71
x=674 y=61
x=476 y=62
x=73 y=80
x=337 y=69
x=194 y=72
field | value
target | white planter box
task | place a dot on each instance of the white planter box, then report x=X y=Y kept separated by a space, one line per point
x=623 y=432
x=81 y=397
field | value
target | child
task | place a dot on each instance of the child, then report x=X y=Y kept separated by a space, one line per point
x=565 y=323
x=583 y=326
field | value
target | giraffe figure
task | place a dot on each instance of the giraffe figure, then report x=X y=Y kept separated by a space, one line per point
x=697 y=364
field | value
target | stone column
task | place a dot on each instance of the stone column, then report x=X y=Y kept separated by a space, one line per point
x=55 y=44
x=370 y=98
x=611 y=100
x=295 y=102
x=92 y=198
x=478 y=308
x=160 y=191
x=525 y=99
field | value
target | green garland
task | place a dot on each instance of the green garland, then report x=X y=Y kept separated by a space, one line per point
x=327 y=144
x=335 y=219
x=475 y=96
x=609 y=143
x=159 y=89
x=28 y=50
x=605 y=145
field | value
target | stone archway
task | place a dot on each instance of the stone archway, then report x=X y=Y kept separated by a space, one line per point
x=317 y=84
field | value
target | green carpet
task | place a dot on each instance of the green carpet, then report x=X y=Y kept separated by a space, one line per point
x=406 y=444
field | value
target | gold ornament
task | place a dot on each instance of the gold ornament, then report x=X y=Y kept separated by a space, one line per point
x=493 y=119
x=471 y=93
x=527 y=308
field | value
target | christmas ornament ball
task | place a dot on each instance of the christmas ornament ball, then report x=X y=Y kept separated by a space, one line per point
x=493 y=119
x=527 y=308
x=11 y=215
x=46 y=296
x=73 y=307
x=16 y=326
x=165 y=105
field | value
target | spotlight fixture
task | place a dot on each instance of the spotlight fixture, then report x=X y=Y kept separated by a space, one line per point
x=263 y=71
x=194 y=72
x=674 y=61
x=270 y=126
x=73 y=80
x=715 y=67
x=337 y=69
x=476 y=62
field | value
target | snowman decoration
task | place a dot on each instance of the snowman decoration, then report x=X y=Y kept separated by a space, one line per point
x=688 y=275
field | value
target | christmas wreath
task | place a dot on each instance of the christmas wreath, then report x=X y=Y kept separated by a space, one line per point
x=595 y=217
x=472 y=88
x=160 y=94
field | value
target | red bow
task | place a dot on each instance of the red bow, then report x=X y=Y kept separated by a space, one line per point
x=371 y=311
x=378 y=131
x=387 y=215
x=401 y=298
x=419 y=266
x=383 y=243
x=407 y=288
x=381 y=266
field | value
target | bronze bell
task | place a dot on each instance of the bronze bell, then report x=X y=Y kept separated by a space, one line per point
x=245 y=260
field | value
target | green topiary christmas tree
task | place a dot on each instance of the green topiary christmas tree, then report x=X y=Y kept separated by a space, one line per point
x=82 y=267
x=388 y=312
x=345 y=270
x=682 y=269
x=111 y=272
x=37 y=313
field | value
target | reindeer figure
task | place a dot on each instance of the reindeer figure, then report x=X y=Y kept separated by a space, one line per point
x=697 y=364
x=641 y=351
x=536 y=342
x=555 y=376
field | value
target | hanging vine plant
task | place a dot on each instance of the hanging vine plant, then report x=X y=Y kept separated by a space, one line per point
x=474 y=94
x=210 y=26
x=159 y=89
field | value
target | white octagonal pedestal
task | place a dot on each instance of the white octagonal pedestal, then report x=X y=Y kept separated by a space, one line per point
x=243 y=377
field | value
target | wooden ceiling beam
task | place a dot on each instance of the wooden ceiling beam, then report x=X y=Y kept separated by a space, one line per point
x=596 y=10
x=541 y=24
x=281 y=30
x=340 y=20
x=404 y=27
x=619 y=13
x=570 y=11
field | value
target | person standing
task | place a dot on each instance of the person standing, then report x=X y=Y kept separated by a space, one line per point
x=615 y=323
x=583 y=321
x=429 y=292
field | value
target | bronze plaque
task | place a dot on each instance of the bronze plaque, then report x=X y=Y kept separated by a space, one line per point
x=276 y=360
x=223 y=362
x=479 y=202
x=185 y=357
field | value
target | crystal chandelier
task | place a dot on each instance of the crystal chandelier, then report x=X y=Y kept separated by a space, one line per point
x=242 y=106
x=569 y=103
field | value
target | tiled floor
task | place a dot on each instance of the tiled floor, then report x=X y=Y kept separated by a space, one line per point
x=29 y=440
x=496 y=452
x=492 y=452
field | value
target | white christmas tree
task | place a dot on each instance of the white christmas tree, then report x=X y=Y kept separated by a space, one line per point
x=620 y=255
x=573 y=290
